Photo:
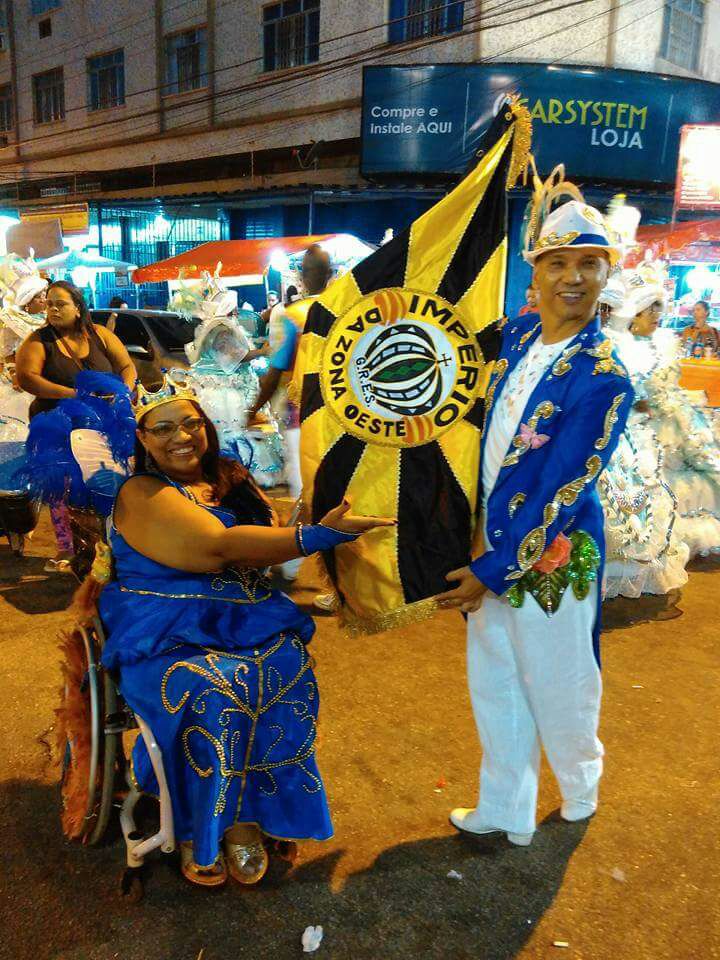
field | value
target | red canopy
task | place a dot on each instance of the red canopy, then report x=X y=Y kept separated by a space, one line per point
x=239 y=258
x=676 y=241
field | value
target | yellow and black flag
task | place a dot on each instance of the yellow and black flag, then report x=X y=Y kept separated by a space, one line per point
x=391 y=372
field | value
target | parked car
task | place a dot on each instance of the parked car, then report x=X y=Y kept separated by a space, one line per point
x=153 y=338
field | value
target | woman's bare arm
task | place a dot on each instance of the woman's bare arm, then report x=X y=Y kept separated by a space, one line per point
x=119 y=357
x=162 y=524
x=29 y=363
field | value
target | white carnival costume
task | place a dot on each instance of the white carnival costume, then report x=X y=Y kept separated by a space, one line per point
x=644 y=550
x=224 y=380
x=20 y=282
x=673 y=424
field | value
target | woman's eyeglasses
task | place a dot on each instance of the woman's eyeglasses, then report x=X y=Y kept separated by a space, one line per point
x=166 y=429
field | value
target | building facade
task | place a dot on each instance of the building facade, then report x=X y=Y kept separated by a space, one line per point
x=254 y=106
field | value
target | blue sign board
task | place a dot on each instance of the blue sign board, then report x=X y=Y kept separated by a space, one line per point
x=620 y=125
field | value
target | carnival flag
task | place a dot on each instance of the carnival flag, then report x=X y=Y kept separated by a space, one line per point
x=391 y=374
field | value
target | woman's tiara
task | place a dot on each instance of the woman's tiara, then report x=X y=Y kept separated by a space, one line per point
x=173 y=388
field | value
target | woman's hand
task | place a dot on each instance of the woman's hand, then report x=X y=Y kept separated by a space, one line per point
x=339 y=519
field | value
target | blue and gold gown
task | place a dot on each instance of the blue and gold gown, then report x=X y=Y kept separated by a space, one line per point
x=217 y=665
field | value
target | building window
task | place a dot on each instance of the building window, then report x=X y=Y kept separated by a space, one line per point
x=49 y=96
x=291 y=34
x=106 y=80
x=413 y=19
x=45 y=28
x=682 y=32
x=186 y=61
x=6 y=107
x=43 y=6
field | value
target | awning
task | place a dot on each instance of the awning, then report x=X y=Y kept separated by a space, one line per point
x=676 y=241
x=243 y=257
x=71 y=259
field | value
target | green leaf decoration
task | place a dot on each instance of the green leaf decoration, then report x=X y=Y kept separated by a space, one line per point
x=548 y=589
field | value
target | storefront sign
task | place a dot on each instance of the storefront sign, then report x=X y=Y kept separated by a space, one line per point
x=605 y=124
x=74 y=217
x=698 y=174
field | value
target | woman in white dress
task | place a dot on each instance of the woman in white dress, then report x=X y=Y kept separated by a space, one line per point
x=665 y=421
x=645 y=552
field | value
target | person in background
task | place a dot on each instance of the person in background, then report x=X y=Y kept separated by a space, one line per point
x=286 y=323
x=532 y=300
x=117 y=303
x=47 y=364
x=700 y=336
x=272 y=301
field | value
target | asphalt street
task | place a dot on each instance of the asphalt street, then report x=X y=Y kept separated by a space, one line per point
x=397 y=750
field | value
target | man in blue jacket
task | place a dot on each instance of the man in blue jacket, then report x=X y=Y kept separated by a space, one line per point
x=557 y=403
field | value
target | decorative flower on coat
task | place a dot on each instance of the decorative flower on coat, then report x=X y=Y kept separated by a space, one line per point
x=531 y=438
x=556 y=555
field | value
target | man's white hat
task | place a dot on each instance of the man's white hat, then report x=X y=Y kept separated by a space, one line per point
x=573 y=225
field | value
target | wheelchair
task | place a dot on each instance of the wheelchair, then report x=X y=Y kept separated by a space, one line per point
x=93 y=720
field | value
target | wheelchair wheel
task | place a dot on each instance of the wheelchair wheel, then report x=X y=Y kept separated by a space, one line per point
x=88 y=776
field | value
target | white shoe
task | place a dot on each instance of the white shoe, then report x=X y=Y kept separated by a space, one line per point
x=290 y=569
x=327 y=602
x=466 y=820
x=582 y=808
x=573 y=810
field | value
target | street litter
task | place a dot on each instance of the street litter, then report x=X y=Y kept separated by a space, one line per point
x=561 y=943
x=454 y=875
x=311 y=939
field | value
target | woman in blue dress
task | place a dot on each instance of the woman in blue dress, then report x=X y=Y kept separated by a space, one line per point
x=208 y=654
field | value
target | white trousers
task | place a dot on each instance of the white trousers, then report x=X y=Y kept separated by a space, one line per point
x=293 y=477
x=534 y=681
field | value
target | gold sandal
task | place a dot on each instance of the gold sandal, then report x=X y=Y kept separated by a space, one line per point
x=247 y=863
x=214 y=876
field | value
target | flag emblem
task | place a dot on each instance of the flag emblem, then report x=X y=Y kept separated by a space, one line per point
x=400 y=368
x=390 y=377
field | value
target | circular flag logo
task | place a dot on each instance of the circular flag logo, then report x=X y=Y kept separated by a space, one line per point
x=400 y=368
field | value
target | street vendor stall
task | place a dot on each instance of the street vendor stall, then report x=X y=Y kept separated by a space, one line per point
x=248 y=262
x=692 y=251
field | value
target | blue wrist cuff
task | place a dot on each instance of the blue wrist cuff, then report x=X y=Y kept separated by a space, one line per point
x=319 y=537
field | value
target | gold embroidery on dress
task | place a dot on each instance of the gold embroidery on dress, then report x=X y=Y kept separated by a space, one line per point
x=515 y=502
x=611 y=418
x=606 y=363
x=532 y=545
x=272 y=689
x=252 y=598
x=561 y=365
x=542 y=412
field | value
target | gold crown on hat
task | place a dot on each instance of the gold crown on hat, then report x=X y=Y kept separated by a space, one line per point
x=173 y=388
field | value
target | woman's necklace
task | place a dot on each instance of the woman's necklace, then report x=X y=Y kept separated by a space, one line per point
x=201 y=492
